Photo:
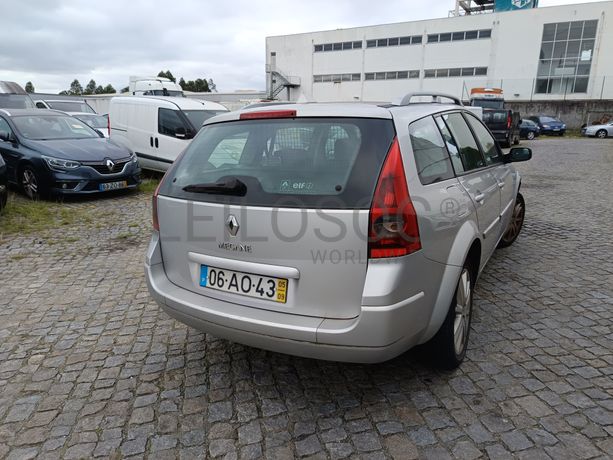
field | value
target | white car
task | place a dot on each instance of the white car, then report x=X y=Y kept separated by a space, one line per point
x=98 y=122
x=156 y=128
x=65 y=105
x=600 y=131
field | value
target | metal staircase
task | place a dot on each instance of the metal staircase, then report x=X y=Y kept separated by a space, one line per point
x=279 y=81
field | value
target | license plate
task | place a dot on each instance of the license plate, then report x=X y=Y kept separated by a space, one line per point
x=112 y=186
x=556 y=129
x=247 y=284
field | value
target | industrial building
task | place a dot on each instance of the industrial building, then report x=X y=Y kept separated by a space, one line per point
x=533 y=54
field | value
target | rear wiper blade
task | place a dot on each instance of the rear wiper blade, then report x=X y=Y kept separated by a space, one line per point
x=232 y=186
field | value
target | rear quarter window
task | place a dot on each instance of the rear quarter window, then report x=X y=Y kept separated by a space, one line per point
x=431 y=157
x=303 y=162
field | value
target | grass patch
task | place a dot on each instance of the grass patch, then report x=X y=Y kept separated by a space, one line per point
x=22 y=216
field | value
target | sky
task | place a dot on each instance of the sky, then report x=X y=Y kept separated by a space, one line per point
x=52 y=42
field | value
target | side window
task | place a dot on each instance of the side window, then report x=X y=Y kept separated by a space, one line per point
x=488 y=144
x=452 y=148
x=168 y=122
x=4 y=126
x=469 y=150
x=229 y=150
x=40 y=105
x=431 y=157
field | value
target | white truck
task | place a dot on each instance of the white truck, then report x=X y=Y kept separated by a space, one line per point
x=154 y=86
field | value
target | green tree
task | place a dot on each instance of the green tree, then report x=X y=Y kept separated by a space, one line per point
x=90 y=88
x=200 y=85
x=64 y=93
x=108 y=89
x=167 y=74
x=212 y=86
x=29 y=87
x=99 y=90
x=125 y=89
x=75 y=88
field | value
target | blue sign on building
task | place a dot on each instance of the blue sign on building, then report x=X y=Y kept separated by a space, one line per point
x=509 y=5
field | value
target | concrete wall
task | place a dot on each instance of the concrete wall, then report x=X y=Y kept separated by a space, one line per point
x=511 y=56
x=573 y=113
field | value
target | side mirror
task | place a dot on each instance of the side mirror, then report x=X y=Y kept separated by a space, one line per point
x=180 y=133
x=518 y=154
x=6 y=136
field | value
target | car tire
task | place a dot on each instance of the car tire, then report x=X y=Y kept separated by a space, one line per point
x=3 y=200
x=601 y=133
x=30 y=183
x=516 y=224
x=530 y=135
x=448 y=347
x=561 y=133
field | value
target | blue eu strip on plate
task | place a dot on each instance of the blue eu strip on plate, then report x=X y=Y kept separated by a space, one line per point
x=204 y=270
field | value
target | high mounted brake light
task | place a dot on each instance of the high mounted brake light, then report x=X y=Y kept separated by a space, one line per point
x=268 y=114
x=393 y=229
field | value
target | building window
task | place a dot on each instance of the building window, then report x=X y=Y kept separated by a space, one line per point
x=456 y=72
x=393 y=75
x=565 y=58
x=336 y=78
x=459 y=36
x=393 y=41
x=339 y=46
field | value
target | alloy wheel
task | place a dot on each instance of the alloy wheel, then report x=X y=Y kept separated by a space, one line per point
x=29 y=183
x=530 y=135
x=461 y=323
x=601 y=134
x=517 y=221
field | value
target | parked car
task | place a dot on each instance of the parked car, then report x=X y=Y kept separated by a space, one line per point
x=98 y=122
x=4 y=182
x=600 y=131
x=504 y=125
x=66 y=105
x=277 y=234
x=549 y=125
x=13 y=96
x=528 y=129
x=50 y=152
x=156 y=128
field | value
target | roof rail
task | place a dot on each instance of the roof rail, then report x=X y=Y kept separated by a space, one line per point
x=436 y=97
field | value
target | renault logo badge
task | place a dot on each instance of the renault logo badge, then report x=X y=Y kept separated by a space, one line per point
x=110 y=164
x=232 y=225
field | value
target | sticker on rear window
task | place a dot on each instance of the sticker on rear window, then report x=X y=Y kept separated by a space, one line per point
x=295 y=186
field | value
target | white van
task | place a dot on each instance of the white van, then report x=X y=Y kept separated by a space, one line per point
x=156 y=128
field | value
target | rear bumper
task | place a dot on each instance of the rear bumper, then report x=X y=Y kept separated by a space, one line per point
x=375 y=335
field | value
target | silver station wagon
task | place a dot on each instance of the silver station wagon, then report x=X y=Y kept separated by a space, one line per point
x=347 y=232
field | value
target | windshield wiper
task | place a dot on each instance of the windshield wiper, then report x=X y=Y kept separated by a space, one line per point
x=232 y=186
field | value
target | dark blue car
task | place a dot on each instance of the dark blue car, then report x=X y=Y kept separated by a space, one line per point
x=528 y=129
x=549 y=125
x=50 y=152
x=3 y=184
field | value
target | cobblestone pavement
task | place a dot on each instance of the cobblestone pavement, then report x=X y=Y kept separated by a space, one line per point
x=90 y=366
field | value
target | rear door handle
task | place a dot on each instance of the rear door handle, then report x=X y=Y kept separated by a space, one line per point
x=500 y=184
x=480 y=197
x=151 y=141
x=157 y=145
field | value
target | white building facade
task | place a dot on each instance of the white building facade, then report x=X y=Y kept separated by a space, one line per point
x=553 y=53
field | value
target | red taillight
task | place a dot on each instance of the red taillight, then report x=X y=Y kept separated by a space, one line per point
x=108 y=124
x=509 y=121
x=154 y=207
x=268 y=114
x=393 y=229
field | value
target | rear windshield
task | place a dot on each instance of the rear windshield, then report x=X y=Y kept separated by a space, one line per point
x=16 y=101
x=95 y=121
x=495 y=117
x=70 y=106
x=330 y=163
